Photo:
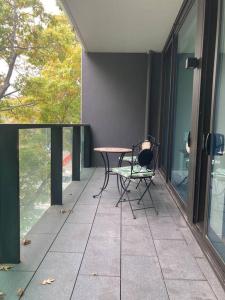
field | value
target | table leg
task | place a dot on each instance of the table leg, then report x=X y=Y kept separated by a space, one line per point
x=106 y=178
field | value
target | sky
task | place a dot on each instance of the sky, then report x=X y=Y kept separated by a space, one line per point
x=50 y=6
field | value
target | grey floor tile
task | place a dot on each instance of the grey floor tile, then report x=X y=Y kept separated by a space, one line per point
x=106 y=225
x=164 y=228
x=137 y=240
x=142 y=279
x=188 y=290
x=178 y=218
x=87 y=198
x=49 y=223
x=63 y=267
x=102 y=257
x=82 y=214
x=108 y=208
x=176 y=261
x=127 y=217
x=107 y=217
x=97 y=288
x=191 y=242
x=11 y=281
x=32 y=255
x=211 y=277
x=72 y=238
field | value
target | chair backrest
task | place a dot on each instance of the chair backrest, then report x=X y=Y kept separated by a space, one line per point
x=147 y=156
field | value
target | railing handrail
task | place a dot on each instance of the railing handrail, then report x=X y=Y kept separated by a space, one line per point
x=46 y=125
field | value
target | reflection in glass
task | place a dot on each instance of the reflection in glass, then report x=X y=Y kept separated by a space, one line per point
x=216 y=222
x=183 y=104
x=34 y=174
x=67 y=156
x=165 y=107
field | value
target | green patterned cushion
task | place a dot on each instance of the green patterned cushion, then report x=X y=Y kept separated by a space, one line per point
x=138 y=171
x=129 y=159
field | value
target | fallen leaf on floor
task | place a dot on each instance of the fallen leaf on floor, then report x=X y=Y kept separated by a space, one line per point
x=20 y=292
x=48 y=281
x=5 y=267
x=2 y=295
x=26 y=242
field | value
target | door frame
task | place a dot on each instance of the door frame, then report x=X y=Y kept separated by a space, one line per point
x=203 y=95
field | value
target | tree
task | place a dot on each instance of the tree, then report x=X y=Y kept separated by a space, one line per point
x=51 y=93
x=20 y=24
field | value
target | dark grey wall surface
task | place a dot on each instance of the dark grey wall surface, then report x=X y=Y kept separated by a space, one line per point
x=113 y=98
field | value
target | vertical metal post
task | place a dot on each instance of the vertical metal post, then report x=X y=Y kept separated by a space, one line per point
x=76 y=154
x=87 y=147
x=9 y=195
x=56 y=164
x=148 y=93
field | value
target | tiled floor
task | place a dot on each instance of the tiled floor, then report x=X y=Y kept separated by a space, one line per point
x=98 y=251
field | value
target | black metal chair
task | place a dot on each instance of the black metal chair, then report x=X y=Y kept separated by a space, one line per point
x=142 y=170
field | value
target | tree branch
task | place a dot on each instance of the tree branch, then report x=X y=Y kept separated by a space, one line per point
x=8 y=94
x=12 y=60
x=17 y=106
x=6 y=83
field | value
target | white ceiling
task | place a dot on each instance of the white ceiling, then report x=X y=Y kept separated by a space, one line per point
x=122 y=25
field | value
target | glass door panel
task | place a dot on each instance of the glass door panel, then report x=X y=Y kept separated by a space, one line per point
x=216 y=205
x=166 y=107
x=183 y=104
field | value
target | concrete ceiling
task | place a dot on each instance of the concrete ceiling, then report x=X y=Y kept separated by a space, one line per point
x=122 y=25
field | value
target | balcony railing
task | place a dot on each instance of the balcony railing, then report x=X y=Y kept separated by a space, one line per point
x=37 y=162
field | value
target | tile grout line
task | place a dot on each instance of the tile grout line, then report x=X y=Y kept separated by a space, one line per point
x=78 y=273
x=48 y=250
x=157 y=254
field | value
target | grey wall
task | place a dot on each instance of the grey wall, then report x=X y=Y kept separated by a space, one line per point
x=113 y=98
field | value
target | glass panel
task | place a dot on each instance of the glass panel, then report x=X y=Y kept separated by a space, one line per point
x=67 y=156
x=183 y=104
x=216 y=223
x=34 y=174
x=166 y=103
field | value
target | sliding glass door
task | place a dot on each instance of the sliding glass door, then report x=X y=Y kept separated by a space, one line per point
x=216 y=151
x=165 y=117
x=186 y=40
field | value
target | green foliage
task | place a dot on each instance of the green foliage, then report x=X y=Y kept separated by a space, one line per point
x=50 y=90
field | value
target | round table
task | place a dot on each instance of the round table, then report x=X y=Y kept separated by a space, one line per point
x=105 y=151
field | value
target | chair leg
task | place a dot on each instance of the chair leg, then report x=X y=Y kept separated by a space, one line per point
x=147 y=186
x=138 y=183
x=143 y=193
x=123 y=193
x=130 y=205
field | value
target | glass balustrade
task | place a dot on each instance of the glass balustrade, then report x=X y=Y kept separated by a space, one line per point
x=34 y=175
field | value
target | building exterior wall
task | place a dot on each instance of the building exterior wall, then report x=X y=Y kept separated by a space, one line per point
x=113 y=98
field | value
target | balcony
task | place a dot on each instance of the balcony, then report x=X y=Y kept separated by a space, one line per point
x=94 y=250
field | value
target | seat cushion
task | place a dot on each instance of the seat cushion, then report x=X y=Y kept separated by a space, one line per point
x=129 y=159
x=138 y=172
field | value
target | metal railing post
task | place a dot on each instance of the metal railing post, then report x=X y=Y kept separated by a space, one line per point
x=76 y=154
x=87 y=146
x=56 y=164
x=9 y=195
